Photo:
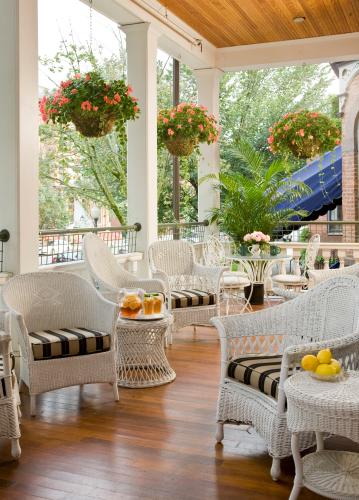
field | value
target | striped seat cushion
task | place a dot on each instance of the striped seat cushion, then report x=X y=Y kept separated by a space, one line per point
x=67 y=342
x=3 y=382
x=260 y=372
x=192 y=298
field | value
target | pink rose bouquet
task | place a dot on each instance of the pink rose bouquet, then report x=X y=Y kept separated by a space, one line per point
x=257 y=238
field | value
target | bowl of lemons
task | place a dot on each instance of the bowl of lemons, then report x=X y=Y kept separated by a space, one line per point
x=322 y=366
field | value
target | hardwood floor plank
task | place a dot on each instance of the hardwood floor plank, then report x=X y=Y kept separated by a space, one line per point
x=153 y=444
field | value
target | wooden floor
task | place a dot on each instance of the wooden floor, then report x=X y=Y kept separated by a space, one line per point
x=155 y=443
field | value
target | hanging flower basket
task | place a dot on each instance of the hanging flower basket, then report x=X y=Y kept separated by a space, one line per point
x=305 y=134
x=182 y=128
x=181 y=146
x=93 y=105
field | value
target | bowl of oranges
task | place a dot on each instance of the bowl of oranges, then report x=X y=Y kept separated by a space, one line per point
x=322 y=366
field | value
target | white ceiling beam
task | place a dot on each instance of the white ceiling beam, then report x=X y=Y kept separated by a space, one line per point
x=305 y=51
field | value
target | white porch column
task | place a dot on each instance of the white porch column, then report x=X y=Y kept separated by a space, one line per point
x=19 y=134
x=142 y=134
x=208 y=95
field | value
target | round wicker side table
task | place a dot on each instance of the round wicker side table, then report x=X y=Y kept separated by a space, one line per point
x=142 y=360
x=330 y=407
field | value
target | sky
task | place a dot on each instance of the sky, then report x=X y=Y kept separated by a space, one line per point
x=58 y=18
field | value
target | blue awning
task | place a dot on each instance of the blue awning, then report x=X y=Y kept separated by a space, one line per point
x=324 y=177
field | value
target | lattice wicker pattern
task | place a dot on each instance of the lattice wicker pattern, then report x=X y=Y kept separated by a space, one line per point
x=317 y=276
x=142 y=360
x=324 y=317
x=55 y=300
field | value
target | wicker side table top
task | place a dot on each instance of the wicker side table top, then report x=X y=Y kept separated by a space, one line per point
x=133 y=324
x=330 y=407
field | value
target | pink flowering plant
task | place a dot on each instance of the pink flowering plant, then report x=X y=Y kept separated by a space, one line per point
x=257 y=237
x=305 y=134
x=186 y=125
x=91 y=103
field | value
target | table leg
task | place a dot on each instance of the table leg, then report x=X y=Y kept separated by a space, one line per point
x=320 y=441
x=298 y=480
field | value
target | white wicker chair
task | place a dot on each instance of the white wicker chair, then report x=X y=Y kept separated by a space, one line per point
x=192 y=290
x=324 y=317
x=60 y=315
x=232 y=282
x=107 y=274
x=9 y=395
x=317 y=276
x=294 y=281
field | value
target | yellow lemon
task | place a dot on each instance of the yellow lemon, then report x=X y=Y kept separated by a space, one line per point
x=324 y=356
x=309 y=362
x=325 y=370
x=336 y=365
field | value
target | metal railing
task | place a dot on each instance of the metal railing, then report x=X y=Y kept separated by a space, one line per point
x=194 y=232
x=330 y=231
x=58 y=246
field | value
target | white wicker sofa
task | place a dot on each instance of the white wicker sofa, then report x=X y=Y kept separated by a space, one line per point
x=192 y=290
x=260 y=350
x=9 y=396
x=66 y=332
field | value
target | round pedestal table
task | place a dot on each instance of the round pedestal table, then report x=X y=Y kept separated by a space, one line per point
x=142 y=360
x=330 y=407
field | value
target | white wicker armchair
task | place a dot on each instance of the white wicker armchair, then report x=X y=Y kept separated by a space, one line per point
x=192 y=290
x=108 y=275
x=66 y=332
x=260 y=350
x=317 y=276
x=9 y=395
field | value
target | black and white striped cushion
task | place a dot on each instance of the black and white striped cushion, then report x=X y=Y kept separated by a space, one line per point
x=66 y=342
x=260 y=372
x=192 y=298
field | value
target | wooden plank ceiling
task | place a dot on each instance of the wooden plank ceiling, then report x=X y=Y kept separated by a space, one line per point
x=227 y=23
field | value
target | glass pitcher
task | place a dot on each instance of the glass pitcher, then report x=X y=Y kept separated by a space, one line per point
x=131 y=301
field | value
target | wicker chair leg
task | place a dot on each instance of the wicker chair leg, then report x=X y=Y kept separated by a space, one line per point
x=275 y=469
x=19 y=414
x=220 y=432
x=21 y=386
x=15 y=448
x=33 y=405
x=115 y=391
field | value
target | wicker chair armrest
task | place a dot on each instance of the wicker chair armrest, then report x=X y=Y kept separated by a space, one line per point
x=211 y=275
x=346 y=349
x=149 y=285
x=318 y=275
x=159 y=275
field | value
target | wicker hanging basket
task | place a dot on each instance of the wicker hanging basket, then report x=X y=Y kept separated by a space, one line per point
x=306 y=149
x=92 y=124
x=181 y=146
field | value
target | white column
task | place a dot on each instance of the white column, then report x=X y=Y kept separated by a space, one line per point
x=19 y=133
x=142 y=134
x=208 y=95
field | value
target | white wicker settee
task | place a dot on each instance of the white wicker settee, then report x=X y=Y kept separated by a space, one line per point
x=9 y=395
x=66 y=332
x=192 y=290
x=260 y=350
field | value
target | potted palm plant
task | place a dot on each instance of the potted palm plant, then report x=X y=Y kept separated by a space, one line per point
x=250 y=197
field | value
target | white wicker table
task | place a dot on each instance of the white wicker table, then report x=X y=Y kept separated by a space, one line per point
x=330 y=407
x=142 y=360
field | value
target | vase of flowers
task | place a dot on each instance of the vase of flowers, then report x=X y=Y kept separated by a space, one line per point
x=257 y=243
x=93 y=105
x=181 y=128
x=305 y=134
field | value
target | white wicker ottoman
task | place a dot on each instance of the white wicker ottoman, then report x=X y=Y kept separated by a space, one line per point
x=330 y=407
x=142 y=360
